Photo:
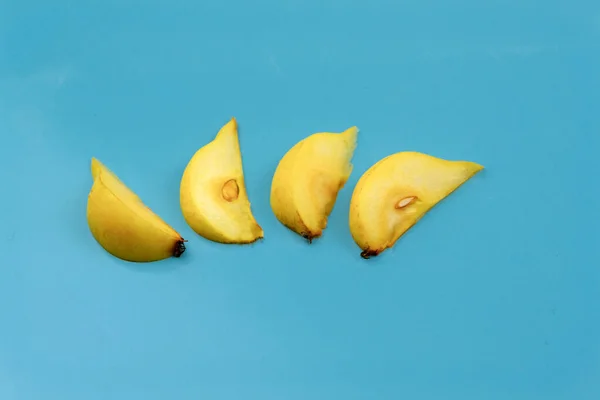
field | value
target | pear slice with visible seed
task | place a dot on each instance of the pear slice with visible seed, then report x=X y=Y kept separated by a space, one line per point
x=213 y=195
x=396 y=192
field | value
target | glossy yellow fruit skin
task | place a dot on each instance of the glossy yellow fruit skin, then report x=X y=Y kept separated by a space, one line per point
x=213 y=196
x=123 y=225
x=308 y=178
x=396 y=192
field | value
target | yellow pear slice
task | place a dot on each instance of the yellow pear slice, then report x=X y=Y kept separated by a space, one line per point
x=308 y=178
x=213 y=194
x=392 y=195
x=123 y=225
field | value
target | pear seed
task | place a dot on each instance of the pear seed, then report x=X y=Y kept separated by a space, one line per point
x=230 y=190
x=406 y=201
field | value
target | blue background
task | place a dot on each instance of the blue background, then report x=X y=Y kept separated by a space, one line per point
x=495 y=294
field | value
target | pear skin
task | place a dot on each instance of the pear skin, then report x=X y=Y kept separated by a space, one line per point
x=308 y=178
x=396 y=192
x=123 y=225
x=213 y=195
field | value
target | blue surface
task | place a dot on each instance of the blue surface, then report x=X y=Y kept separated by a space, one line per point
x=495 y=294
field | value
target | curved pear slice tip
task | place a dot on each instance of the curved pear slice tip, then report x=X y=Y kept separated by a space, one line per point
x=96 y=167
x=123 y=225
x=213 y=196
x=396 y=192
x=308 y=178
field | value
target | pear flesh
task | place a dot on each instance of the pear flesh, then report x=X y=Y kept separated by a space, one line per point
x=213 y=196
x=123 y=225
x=308 y=178
x=396 y=192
